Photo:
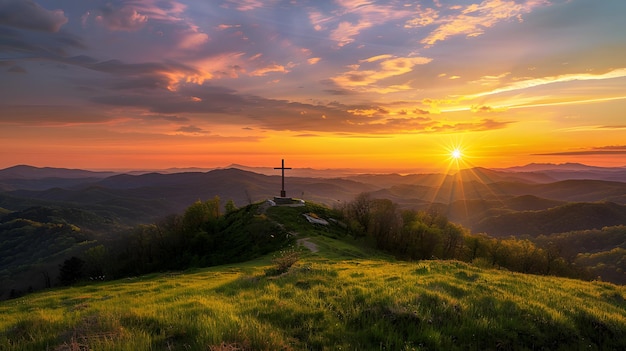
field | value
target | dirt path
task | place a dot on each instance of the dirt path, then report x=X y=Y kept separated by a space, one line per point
x=309 y=245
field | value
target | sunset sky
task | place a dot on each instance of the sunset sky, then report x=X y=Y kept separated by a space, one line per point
x=152 y=84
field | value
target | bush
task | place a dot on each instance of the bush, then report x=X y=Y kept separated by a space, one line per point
x=284 y=261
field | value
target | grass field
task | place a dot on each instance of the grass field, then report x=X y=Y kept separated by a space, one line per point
x=335 y=299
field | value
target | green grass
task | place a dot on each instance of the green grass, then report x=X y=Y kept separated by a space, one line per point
x=340 y=298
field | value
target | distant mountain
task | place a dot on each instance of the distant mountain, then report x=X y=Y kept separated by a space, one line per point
x=35 y=178
x=538 y=167
x=30 y=172
x=572 y=171
x=438 y=180
x=470 y=212
x=297 y=172
x=565 y=218
x=487 y=176
x=145 y=197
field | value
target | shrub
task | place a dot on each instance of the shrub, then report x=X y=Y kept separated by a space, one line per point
x=284 y=261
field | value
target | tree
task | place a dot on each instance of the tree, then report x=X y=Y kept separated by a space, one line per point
x=384 y=222
x=95 y=261
x=230 y=207
x=71 y=271
x=358 y=213
x=452 y=236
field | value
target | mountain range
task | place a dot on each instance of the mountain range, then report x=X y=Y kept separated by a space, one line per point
x=469 y=196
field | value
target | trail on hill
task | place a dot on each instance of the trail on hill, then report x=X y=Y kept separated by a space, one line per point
x=309 y=245
x=302 y=241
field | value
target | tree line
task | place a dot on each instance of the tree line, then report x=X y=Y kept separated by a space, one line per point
x=202 y=236
x=420 y=235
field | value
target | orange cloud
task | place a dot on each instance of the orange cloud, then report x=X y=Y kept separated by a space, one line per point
x=486 y=109
x=269 y=69
x=192 y=38
x=535 y=82
x=472 y=20
x=368 y=15
x=387 y=67
x=424 y=18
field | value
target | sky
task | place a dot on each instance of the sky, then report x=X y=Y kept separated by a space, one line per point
x=379 y=85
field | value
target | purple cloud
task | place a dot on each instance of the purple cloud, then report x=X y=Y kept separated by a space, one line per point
x=27 y=14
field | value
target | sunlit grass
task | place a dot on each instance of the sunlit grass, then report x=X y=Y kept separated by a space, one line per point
x=322 y=303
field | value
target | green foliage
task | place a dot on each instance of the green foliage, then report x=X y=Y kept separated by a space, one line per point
x=201 y=237
x=35 y=241
x=599 y=251
x=323 y=305
x=292 y=219
x=605 y=265
x=559 y=219
x=419 y=235
x=230 y=206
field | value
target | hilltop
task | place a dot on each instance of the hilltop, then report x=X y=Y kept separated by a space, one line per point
x=48 y=215
x=344 y=295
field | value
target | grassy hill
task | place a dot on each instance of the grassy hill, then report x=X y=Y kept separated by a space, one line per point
x=340 y=297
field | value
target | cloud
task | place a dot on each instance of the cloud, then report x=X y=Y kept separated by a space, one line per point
x=168 y=75
x=125 y=18
x=344 y=33
x=27 y=14
x=51 y=115
x=191 y=129
x=536 y=82
x=366 y=13
x=603 y=150
x=484 y=125
x=613 y=127
x=424 y=18
x=133 y=15
x=486 y=109
x=612 y=147
x=473 y=19
x=170 y=118
x=207 y=105
x=386 y=67
x=269 y=69
x=192 y=38
x=246 y=5
x=16 y=69
x=38 y=44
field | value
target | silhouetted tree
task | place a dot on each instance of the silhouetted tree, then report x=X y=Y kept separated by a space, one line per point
x=230 y=207
x=71 y=271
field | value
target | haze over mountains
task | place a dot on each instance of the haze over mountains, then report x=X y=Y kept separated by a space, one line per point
x=468 y=197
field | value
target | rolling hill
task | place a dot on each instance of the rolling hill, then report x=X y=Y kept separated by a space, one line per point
x=564 y=218
x=342 y=296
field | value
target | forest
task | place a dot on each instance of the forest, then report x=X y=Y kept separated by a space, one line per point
x=44 y=246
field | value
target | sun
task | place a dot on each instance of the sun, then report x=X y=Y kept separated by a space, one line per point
x=456 y=154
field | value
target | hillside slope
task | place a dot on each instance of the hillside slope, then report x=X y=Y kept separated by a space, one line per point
x=564 y=218
x=331 y=299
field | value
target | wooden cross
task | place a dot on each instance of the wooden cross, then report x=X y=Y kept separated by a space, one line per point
x=283 y=168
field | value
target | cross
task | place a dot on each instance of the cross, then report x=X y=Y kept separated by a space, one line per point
x=283 y=168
